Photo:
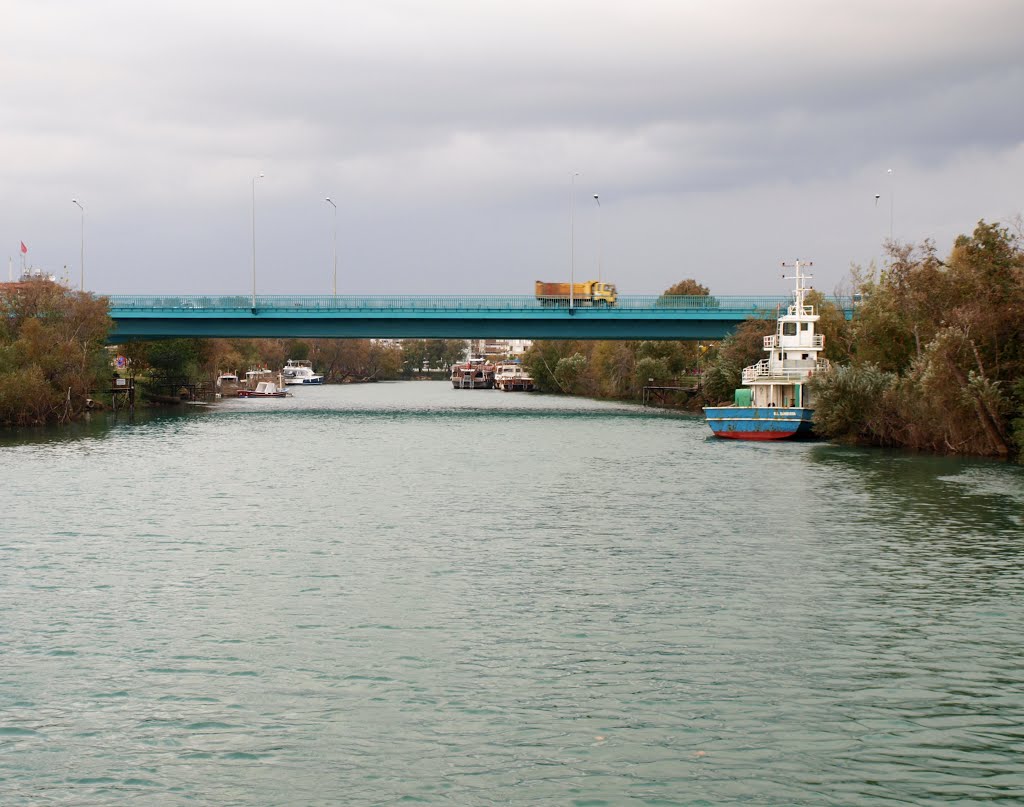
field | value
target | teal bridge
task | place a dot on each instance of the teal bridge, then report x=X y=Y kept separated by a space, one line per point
x=451 y=317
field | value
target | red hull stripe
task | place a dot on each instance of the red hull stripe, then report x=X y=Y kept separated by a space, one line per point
x=755 y=435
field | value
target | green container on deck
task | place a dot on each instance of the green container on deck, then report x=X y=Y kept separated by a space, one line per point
x=742 y=397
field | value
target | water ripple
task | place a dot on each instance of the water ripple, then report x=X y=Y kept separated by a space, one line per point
x=402 y=593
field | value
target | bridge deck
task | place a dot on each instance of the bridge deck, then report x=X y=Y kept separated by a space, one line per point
x=647 y=317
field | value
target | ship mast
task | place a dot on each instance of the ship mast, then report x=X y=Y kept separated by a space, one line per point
x=800 y=290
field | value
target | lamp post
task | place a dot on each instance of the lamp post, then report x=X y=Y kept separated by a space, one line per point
x=81 y=254
x=600 y=237
x=892 y=194
x=334 y=287
x=572 y=238
x=259 y=176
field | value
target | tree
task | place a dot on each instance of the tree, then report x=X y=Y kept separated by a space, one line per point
x=542 y=359
x=849 y=401
x=951 y=332
x=357 y=359
x=687 y=288
x=176 y=359
x=682 y=295
x=52 y=352
x=724 y=364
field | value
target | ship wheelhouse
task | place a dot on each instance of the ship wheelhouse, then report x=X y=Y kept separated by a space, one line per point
x=794 y=355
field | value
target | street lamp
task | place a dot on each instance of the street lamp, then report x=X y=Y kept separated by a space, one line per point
x=81 y=255
x=572 y=238
x=334 y=287
x=600 y=240
x=259 y=176
x=892 y=194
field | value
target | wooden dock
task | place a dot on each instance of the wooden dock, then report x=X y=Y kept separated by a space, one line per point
x=669 y=391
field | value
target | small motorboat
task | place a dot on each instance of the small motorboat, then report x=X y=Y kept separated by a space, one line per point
x=228 y=384
x=297 y=371
x=264 y=389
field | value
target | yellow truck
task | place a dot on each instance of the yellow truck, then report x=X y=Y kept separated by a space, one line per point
x=592 y=293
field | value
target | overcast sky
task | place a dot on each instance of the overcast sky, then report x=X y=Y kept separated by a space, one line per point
x=723 y=137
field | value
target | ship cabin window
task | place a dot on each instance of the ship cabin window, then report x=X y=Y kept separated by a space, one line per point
x=789 y=329
x=780 y=356
x=803 y=326
x=805 y=356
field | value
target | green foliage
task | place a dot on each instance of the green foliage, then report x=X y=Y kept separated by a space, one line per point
x=569 y=371
x=650 y=367
x=440 y=353
x=298 y=349
x=833 y=326
x=356 y=359
x=174 y=358
x=721 y=378
x=614 y=366
x=724 y=365
x=1017 y=422
x=541 y=360
x=848 y=400
x=684 y=294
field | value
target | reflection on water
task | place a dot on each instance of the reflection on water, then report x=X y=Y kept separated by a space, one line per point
x=940 y=522
x=403 y=592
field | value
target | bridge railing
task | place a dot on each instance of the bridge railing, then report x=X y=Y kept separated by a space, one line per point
x=448 y=303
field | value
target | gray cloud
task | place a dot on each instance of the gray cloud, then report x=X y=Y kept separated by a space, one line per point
x=718 y=134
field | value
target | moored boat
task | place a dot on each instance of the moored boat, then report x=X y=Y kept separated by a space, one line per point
x=775 y=402
x=228 y=384
x=299 y=371
x=264 y=389
x=473 y=374
x=513 y=377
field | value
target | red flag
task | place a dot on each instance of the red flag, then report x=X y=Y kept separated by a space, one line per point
x=24 y=249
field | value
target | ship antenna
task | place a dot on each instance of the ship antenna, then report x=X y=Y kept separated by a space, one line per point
x=800 y=290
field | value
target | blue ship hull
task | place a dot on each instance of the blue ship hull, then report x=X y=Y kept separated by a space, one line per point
x=760 y=422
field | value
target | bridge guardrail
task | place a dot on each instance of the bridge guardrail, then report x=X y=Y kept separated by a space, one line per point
x=448 y=303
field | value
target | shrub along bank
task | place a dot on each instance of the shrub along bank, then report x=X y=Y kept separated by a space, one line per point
x=52 y=352
x=937 y=351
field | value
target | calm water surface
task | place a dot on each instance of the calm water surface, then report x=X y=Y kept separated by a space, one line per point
x=404 y=593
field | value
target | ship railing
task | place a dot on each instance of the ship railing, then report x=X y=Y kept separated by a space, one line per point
x=817 y=340
x=764 y=370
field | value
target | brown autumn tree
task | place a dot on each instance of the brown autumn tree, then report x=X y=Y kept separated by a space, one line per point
x=52 y=352
x=687 y=288
x=948 y=335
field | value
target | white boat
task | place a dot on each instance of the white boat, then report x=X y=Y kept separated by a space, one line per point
x=474 y=374
x=775 y=401
x=299 y=371
x=513 y=377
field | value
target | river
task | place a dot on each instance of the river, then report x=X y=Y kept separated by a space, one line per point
x=405 y=593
